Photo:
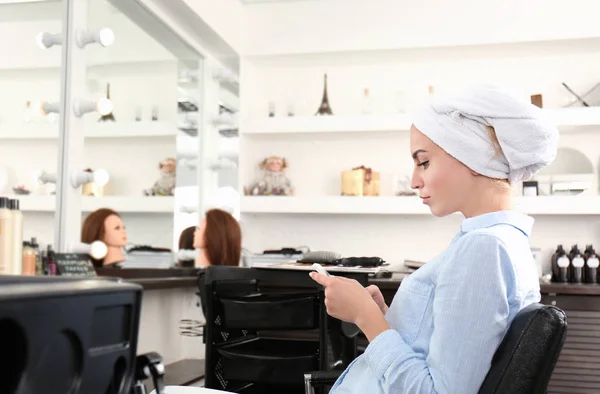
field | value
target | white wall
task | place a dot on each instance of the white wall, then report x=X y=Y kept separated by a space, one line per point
x=345 y=25
x=368 y=44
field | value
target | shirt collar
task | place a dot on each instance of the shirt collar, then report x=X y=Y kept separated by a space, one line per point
x=518 y=220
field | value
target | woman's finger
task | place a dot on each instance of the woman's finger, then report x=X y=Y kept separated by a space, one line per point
x=321 y=279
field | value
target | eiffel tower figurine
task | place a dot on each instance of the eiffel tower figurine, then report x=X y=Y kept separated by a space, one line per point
x=110 y=116
x=324 y=109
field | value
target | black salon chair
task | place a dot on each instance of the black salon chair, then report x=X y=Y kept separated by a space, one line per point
x=524 y=361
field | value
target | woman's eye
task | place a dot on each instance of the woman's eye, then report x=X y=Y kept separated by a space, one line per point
x=424 y=164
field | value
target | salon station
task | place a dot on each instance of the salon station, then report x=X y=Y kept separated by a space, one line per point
x=172 y=170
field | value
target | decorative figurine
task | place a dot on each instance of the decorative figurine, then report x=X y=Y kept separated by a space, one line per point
x=274 y=181
x=165 y=185
x=361 y=181
x=324 y=108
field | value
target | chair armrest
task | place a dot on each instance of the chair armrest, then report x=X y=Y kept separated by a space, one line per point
x=322 y=378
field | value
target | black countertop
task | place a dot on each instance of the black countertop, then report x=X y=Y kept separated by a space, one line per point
x=153 y=279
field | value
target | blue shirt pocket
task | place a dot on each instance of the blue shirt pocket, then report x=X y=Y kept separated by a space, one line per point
x=409 y=308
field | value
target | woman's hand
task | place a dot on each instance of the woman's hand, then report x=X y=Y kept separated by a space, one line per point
x=348 y=300
x=378 y=298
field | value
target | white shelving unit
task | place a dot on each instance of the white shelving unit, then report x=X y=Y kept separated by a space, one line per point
x=121 y=204
x=41 y=131
x=567 y=119
x=327 y=124
x=401 y=205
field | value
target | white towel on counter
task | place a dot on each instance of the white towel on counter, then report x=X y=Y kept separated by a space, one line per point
x=457 y=123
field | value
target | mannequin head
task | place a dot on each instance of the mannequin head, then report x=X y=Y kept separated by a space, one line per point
x=105 y=225
x=220 y=238
x=186 y=242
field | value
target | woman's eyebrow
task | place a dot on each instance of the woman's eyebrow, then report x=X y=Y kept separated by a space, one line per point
x=415 y=153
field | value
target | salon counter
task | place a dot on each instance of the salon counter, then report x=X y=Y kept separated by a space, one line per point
x=169 y=297
x=389 y=286
x=154 y=279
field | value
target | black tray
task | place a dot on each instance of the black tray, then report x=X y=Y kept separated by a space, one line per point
x=270 y=361
x=271 y=311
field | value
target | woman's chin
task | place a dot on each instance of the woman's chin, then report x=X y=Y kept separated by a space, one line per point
x=440 y=212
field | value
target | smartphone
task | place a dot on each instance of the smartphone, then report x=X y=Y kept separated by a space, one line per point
x=319 y=268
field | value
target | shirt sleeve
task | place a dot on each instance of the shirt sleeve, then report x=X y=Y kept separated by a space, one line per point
x=471 y=308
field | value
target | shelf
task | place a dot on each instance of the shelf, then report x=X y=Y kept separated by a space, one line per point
x=97 y=130
x=120 y=204
x=402 y=205
x=334 y=205
x=459 y=51
x=555 y=205
x=326 y=124
x=565 y=118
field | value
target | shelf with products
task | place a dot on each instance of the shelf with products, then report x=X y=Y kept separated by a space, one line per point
x=567 y=119
x=405 y=205
x=40 y=131
x=121 y=204
x=295 y=54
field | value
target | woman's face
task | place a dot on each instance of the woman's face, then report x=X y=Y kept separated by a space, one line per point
x=442 y=181
x=114 y=232
x=199 y=235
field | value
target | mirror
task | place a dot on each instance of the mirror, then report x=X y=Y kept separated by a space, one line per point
x=571 y=173
x=218 y=182
x=30 y=75
x=147 y=141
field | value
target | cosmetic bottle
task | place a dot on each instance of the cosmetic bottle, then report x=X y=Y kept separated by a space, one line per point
x=577 y=265
x=5 y=237
x=562 y=263
x=17 y=237
x=592 y=261
x=560 y=252
x=28 y=259
x=38 y=256
x=51 y=262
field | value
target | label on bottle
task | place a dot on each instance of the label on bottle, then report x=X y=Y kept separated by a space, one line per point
x=593 y=262
x=578 y=262
x=563 y=262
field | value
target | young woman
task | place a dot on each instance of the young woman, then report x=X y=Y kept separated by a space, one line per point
x=447 y=319
x=219 y=239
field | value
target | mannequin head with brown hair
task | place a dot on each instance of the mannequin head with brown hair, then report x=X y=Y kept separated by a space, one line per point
x=220 y=239
x=105 y=225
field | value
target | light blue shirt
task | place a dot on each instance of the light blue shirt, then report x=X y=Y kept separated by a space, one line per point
x=449 y=317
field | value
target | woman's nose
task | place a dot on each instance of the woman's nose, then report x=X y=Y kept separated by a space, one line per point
x=416 y=182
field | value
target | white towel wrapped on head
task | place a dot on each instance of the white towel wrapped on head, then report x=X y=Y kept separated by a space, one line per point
x=457 y=124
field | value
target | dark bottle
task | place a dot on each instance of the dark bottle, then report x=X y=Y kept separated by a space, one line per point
x=44 y=262
x=563 y=262
x=592 y=261
x=324 y=108
x=51 y=262
x=577 y=265
x=555 y=268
